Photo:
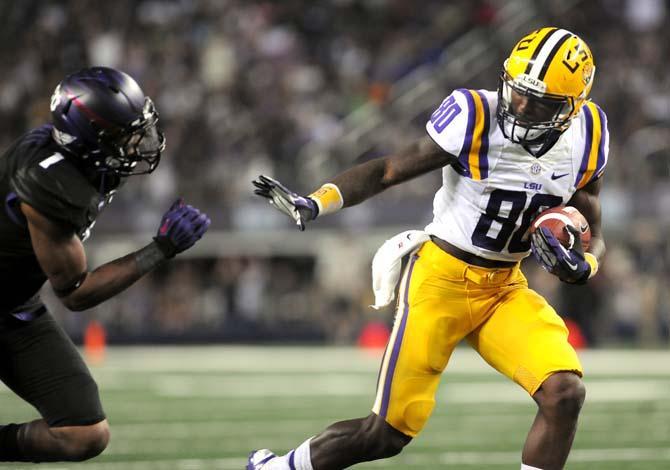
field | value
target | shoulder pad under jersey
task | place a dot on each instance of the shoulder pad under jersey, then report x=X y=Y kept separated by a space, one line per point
x=596 y=145
x=461 y=127
x=56 y=188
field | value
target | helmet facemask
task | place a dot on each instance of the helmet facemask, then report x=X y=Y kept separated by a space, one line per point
x=133 y=150
x=527 y=115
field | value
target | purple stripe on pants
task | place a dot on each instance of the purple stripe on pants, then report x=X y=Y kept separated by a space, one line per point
x=396 y=345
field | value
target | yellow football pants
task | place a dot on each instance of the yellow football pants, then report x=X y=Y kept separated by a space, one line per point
x=442 y=300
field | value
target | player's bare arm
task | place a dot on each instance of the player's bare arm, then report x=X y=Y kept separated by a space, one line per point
x=587 y=201
x=356 y=184
x=368 y=179
x=62 y=257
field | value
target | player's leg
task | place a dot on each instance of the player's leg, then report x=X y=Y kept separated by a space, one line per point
x=559 y=399
x=528 y=342
x=431 y=319
x=45 y=369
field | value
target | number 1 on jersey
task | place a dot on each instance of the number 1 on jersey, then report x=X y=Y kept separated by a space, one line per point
x=55 y=158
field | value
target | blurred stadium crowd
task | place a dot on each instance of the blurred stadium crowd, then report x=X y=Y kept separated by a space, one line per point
x=248 y=87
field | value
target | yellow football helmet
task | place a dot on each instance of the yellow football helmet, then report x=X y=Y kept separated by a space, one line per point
x=544 y=83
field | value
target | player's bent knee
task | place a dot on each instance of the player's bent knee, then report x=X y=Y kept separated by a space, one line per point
x=80 y=443
x=563 y=393
x=416 y=415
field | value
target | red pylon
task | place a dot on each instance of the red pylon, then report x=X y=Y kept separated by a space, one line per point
x=95 y=342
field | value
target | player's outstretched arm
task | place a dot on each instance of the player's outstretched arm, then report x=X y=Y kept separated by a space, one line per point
x=356 y=184
x=63 y=259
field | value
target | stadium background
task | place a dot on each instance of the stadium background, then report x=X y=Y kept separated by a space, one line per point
x=301 y=90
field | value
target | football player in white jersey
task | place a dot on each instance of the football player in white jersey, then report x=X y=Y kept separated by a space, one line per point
x=505 y=156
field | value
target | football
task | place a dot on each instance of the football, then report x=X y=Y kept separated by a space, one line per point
x=557 y=218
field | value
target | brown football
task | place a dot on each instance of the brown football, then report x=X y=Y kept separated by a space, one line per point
x=557 y=218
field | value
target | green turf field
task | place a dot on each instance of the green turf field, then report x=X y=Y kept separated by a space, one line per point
x=205 y=408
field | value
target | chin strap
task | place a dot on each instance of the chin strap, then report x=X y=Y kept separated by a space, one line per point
x=544 y=147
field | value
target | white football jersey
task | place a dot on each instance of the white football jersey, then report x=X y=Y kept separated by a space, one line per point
x=492 y=193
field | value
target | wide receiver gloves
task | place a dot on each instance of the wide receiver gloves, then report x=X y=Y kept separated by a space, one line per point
x=300 y=208
x=569 y=264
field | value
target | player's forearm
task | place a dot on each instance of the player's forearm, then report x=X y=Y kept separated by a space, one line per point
x=362 y=181
x=114 y=277
x=597 y=248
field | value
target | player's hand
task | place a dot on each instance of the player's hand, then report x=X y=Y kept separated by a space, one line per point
x=181 y=226
x=566 y=263
x=300 y=208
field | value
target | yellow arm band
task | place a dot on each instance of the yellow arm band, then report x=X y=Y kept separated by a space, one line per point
x=593 y=262
x=329 y=199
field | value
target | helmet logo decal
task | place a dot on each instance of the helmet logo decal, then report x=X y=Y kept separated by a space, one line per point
x=63 y=138
x=580 y=56
x=55 y=99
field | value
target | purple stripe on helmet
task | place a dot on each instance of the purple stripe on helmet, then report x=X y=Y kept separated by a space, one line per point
x=602 y=158
x=291 y=460
x=463 y=157
x=587 y=144
x=396 y=346
x=484 y=147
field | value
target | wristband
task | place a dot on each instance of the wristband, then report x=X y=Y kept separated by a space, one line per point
x=328 y=199
x=593 y=262
x=166 y=246
x=149 y=258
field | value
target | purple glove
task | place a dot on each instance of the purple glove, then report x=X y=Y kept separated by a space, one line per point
x=300 y=208
x=182 y=225
x=566 y=263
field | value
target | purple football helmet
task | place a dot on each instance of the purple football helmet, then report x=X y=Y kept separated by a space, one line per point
x=102 y=116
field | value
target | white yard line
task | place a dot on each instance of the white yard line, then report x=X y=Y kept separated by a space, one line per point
x=342 y=385
x=407 y=460
x=340 y=359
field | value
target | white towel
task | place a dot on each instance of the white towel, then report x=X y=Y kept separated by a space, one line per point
x=387 y=262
